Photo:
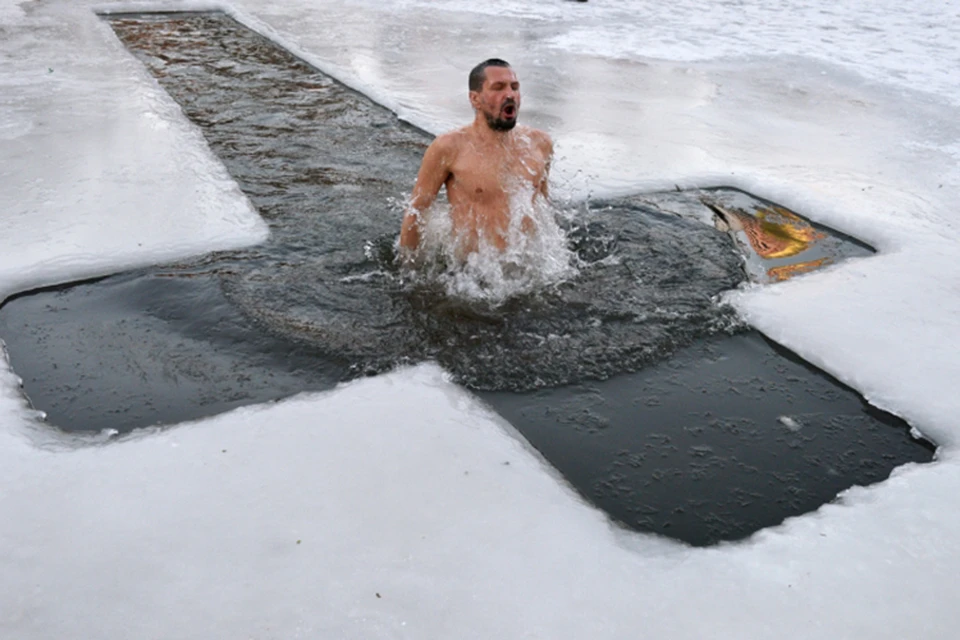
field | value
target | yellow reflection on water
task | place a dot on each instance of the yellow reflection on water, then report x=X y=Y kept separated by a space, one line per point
x=773 y=233
x=787 y=271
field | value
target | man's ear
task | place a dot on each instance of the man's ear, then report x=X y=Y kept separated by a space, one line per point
x=475 y=100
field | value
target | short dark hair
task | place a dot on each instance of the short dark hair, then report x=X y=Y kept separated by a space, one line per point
x=479 y=73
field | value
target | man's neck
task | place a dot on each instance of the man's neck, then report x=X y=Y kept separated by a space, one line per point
x=483 y=132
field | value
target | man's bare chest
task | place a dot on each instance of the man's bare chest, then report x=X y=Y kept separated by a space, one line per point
x=481 y=176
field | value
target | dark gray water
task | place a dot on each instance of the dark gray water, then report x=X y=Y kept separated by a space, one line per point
x=145 y=348
x=651 y=399
x=728 y=436
x=323 y=164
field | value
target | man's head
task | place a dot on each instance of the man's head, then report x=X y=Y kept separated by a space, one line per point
x=495 y=93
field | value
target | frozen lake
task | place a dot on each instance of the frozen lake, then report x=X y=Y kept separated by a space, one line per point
x=384 y=508
x=724 y=439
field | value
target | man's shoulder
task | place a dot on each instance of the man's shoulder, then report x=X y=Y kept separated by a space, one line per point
x=538 y=137
x=451 y=139
x=447 y=145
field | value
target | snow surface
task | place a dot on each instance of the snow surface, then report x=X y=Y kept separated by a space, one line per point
x=410 y=522
x=100 y=171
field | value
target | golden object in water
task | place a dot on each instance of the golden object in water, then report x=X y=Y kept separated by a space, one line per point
x=787 y=271
x=773 y=233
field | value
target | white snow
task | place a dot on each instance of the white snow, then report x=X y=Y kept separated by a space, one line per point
x=100 y=171
x=398 y=485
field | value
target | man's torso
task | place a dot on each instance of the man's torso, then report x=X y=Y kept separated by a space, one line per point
x=485 y=177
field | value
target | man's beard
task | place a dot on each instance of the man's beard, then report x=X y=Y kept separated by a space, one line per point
x=497 y=123
x=500 y=124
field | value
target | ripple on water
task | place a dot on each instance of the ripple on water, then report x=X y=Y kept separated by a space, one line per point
x=645 y=284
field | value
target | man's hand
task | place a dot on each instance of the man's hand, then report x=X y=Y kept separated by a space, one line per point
x=434 y=172
x=546 y=148
x=410 y=231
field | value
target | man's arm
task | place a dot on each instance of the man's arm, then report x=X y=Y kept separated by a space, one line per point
x=546 y=148
x=434 y=171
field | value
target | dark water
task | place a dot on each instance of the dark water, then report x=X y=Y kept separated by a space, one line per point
x=651 y=399
x=145 y=348
x=323 y=165
x=726 y=437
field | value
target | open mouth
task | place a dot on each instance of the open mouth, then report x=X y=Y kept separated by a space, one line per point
x=509 y=111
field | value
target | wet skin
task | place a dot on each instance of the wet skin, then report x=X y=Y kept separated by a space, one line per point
x=482 y=165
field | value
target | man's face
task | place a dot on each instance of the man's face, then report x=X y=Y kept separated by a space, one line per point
x=499 y=99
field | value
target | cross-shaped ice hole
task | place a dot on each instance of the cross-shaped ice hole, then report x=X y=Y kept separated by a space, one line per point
x=650 y=398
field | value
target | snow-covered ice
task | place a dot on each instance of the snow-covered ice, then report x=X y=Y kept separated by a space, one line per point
x=85 y=131
x=386 y=508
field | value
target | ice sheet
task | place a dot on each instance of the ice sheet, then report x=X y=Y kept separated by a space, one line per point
x=100 y=170
x=396 y=507
x=397 y=485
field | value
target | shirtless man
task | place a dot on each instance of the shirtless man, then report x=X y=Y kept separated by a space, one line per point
x=481 y=165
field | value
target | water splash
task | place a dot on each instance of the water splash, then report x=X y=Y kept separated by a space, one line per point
x=473 y=267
